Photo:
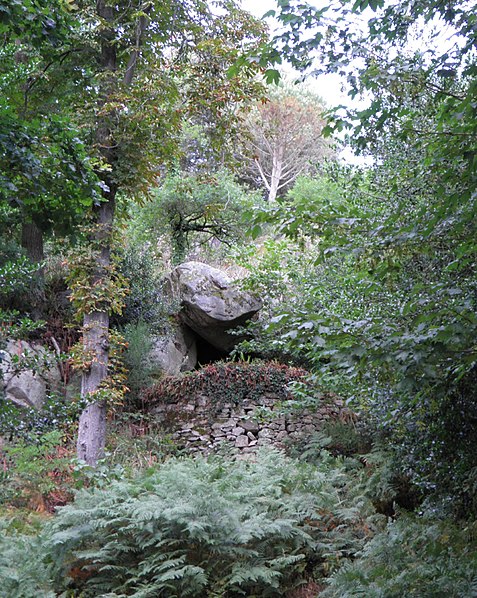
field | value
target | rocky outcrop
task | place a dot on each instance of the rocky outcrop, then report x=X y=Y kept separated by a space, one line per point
x=212 y=305
x=28 y=372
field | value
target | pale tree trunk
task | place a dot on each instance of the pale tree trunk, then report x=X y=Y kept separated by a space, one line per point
x=92 y=423
x=276 y=174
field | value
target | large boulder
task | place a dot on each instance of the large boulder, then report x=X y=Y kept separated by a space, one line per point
x=212 y=305
x=27 y=373
x=176 y=352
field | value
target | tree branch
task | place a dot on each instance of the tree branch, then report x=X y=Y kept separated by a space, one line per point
x=131 y=67
x=257 y=164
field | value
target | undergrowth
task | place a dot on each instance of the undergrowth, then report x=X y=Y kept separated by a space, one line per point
x=222 y=528
x=215 y=528
x=36 y=475
x=413 y=557
x=228 y=382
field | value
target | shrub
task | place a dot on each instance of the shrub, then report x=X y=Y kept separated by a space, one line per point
x=37 y=476
x=28 y=423
x=348 y=438
x=137 y=361
x=435 y=443
x=16 y=276
x=146 y=300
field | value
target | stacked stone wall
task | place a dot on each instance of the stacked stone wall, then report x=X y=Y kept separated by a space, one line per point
x=200 y=426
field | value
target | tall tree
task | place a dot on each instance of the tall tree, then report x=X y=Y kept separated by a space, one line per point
x=94 y=96
x=285 y=138
x=45 y=174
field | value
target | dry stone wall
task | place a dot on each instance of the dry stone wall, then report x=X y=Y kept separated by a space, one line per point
x=202 y=427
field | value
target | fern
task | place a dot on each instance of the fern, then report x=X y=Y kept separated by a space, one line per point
x=20 y=575
x=414 y=558
x=193 y=527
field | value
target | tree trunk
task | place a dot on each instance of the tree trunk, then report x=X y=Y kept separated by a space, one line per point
x=32 y=241
x=179 y=246
x=277 y=166
x=92 y=423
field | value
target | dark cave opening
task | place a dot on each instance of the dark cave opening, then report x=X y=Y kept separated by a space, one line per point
x=207 y=353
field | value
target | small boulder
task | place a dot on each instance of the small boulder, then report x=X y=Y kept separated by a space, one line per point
x=241 y=441
x=250 y=426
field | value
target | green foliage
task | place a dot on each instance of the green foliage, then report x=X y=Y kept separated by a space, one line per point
x=52 y=108
x=16 y=276
x=19 y=571
x=39 y=22
x=385 y=313
x=15 y=326
x=146 y=301
x=9 y=225
x=334 y=203
x=273 y=270
x=375 y=471
x=413 y=557
x=44 y=171
x=36 y=475
x=224 y=382
x=195 y=209
x=434 y=442
x=29 y=423
x=195 y=527
x=89 y=291
x=136 y=360
x=338 y=437
x=136 y=442
x=46 y=175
